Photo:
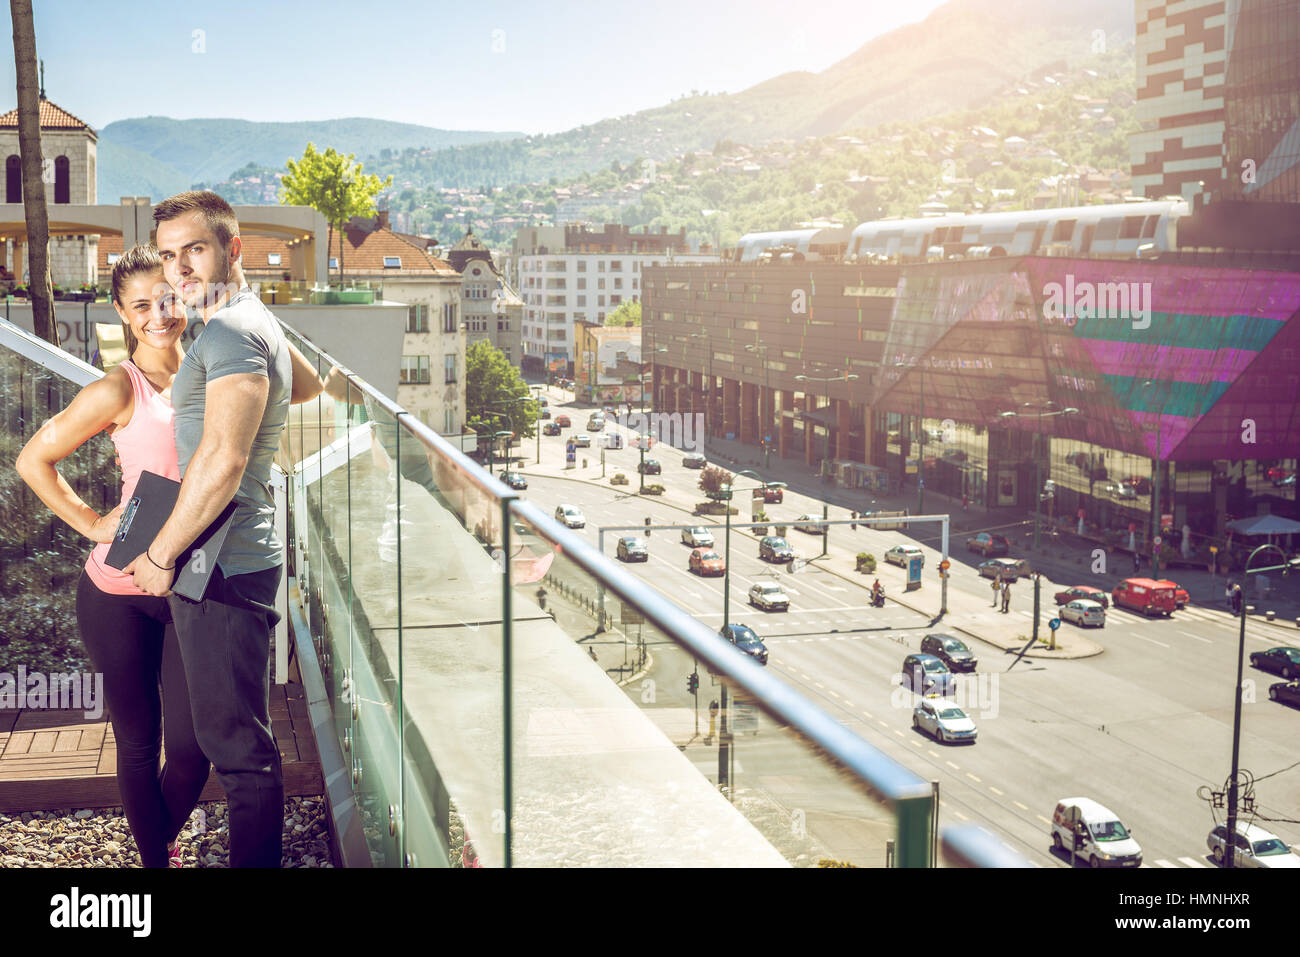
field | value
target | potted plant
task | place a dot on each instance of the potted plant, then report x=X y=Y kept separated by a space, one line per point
x=866 y=563
x=780 y=530
x=653 y=490
x=760 y=516
x=618 y=479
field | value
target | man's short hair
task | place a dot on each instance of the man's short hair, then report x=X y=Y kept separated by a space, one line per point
x=217 y=213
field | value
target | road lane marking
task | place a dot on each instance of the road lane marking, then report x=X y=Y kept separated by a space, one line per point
x=848 y=703
x=1153 y=641
x=1044 y=820
x=819 y=684
x=1023 y=807
x=883 y=724
x=995 y=790
x=1193 y=862
x=955 y=767
x=832 y=693
x=934 y=752
x=1168 y=864
x=974 y=778
x=960 y=815
x=899 y=733
x=1188 y=634
x=916 y=742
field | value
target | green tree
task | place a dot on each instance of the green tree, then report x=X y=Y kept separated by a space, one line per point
x=490 y=383
x=627 y=314
x=333 y=185
x=713 y=478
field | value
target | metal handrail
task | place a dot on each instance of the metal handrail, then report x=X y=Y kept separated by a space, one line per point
x=45 y=354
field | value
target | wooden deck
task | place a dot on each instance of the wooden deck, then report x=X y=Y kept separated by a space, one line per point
x=60 y=759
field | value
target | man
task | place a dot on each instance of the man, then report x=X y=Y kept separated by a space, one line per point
x=1006 y=597
x=231 y=399
x=997 y=590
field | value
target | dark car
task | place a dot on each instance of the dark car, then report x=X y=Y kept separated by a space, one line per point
x=514 y=480
x=926 y=674
x=694 y=460
x=743 y=637
x=631 y=548
x=1083 y=591
x=951 y=651
x=551 y=428
x=988 y=545
x=1286 y=692
x=773 y=548
x=1282 y=661
x=650 y=467
x=773 y=492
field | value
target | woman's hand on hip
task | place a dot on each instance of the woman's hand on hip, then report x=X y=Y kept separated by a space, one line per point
x=105 y=527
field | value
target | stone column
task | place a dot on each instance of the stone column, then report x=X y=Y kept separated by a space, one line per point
x=748 y=412
x=785 y=428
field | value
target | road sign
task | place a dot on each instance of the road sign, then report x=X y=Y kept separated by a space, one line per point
x=945 y=565
x=914 y=572
x=1054 y=624
x=1214 y=549
x=1157 y=541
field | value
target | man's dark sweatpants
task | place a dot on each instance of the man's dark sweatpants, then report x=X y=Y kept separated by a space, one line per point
x=225 y=642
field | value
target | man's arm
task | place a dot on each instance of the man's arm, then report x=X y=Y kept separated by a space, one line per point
x=233 y=412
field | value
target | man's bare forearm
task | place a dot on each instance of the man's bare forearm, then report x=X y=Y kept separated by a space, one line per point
x=211 y=481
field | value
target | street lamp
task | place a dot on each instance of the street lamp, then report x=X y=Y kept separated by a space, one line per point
x=1040 y=412
x=492 y=446
x=847 y=377
x=761 y=352
x=486 y=410
x=1285 y=567
x=537 y=394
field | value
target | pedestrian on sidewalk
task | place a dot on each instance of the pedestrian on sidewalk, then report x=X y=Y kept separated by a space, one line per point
x=1137 y=562
x=1237 y=598
x=1006 y=597
x=965 y=501
x=541 y=598
x=997 y=589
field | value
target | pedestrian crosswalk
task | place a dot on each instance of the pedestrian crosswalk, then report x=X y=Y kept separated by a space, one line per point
x=1168 y=864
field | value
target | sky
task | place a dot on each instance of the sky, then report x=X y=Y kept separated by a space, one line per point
x=534 y=67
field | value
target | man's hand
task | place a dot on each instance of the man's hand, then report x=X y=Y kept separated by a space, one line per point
x=149 y=577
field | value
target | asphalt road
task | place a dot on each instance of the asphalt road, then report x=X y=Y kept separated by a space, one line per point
x=1139 y=728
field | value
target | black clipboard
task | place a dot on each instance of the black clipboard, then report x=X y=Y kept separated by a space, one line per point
x=146 y=512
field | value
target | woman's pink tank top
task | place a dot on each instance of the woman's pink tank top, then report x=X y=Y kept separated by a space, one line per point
x=145 y=444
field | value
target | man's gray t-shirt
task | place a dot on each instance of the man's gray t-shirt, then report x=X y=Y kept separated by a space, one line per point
x=241 y=337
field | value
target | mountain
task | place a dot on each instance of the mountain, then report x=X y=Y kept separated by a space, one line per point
x=157 y=155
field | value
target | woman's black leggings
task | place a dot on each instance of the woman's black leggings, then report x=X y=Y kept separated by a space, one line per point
x=132 y=643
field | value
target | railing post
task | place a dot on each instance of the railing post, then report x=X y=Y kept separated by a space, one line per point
x=914 y=842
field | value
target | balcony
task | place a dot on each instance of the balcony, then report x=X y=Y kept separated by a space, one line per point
x=443 y=631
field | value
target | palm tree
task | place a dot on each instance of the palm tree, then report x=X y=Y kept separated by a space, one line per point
x=41 y=288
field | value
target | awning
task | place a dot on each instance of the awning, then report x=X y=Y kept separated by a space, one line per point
x=1264 y=525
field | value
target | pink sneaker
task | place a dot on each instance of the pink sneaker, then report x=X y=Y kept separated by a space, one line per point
x=174 y=854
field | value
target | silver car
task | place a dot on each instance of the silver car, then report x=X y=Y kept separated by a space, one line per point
x=1084 y=612
x=1255 y=847
x=582 y=441
x=943 y=720
x=697 y=537
x=902 y=554
x=570 y=516
x=769 y=596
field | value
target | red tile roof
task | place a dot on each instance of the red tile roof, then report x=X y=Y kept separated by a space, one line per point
x=52 y=118
x=367 y=247
x=256 y=249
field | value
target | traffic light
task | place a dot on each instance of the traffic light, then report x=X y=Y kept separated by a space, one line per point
x=692 y=683
x=647 y=526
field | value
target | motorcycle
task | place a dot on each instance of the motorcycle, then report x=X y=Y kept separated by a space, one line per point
x=878 y=599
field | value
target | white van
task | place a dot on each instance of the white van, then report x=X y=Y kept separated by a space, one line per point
x=1103 y=841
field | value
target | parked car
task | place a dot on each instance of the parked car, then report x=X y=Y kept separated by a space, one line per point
x=1120 y=490
x=650 y=467
x=773 y=548
x=609 y=411
x=943 y=720
x=551 y=428
x=705 y=561
x=570 y=516
x=1008 y=568
x=769 y=596
x=1083 y=613
x=1252 y=847
x=774 y=493
x=632 y=548
x=515 y=480
x=743 y=637
x=926 y=674
x=546 y=414
x=1285 y=692
x=951 y=651
x=808 y=523
x=988 y=545
x=1103 y=840
x=596 y=423
x=697 y=537
x=1083 y=591
x=1282 y=661
x=694 y=460
x=613 y=441
x=563 y=421
x=582 y=441
x=902 y=554
x=1180 y=594
x=1144 y=595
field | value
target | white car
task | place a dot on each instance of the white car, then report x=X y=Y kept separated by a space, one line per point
x=902 y=554
x=582 y=441
x=1084 y=612
x=1255 y=847
x=570 y=516
x=809 y=524
x=769 y=596
x=942 y=719
x=697 y=537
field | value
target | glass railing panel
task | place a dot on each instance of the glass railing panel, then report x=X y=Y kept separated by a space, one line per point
x=622 y=759
x=451 y=592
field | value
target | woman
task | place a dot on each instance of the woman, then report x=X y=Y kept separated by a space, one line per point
x=128 y=633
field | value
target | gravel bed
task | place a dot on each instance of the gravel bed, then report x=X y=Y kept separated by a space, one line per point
x=101 y=837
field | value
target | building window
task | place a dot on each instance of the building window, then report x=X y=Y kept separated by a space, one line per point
x=449 y=367
x=273 y=259
x=618 y=282
x=634 y=284
x=616 y=265
x=392 y=262
x=113 y=258
x=582 y=300
x=600 y=301
x=582 y=265
x=334 y=262
x=449 y=317
x=13 y=180
x=600 y=284
x=615 y=300
x=600 y=266
x=62 y=184
x=502 y=325
x=507 y=353
x=600 y=317
x=415 y=370
x=582 y=284
x=417 y=318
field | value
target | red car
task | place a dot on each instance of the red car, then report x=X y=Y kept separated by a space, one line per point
x=1180 y=594
x=563 y=421
x=1145 y=595
x=1083 y=591
x=705 y=561
x=773 y=492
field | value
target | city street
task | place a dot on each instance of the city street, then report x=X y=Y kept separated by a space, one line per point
x=1140 y=727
